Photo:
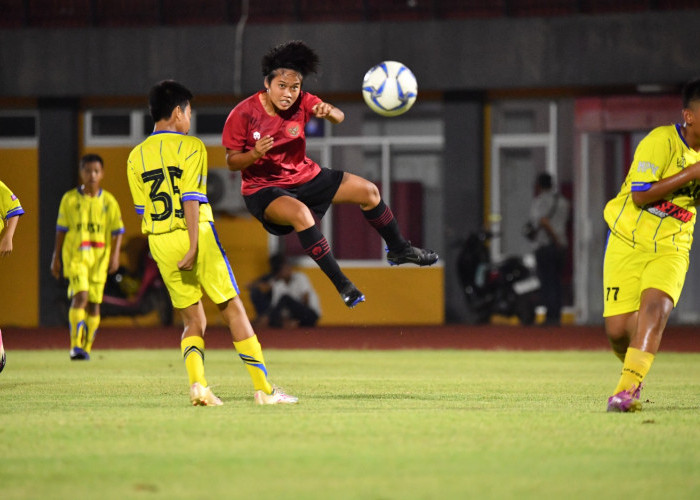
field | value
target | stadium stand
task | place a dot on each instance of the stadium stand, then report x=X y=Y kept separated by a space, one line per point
x=83 y=13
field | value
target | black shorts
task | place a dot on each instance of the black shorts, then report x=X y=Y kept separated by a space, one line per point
x=317 y=194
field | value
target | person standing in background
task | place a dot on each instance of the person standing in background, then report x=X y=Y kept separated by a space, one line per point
x=88 y=239
x=549 y=215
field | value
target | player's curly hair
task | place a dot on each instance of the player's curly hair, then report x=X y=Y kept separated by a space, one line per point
x=295 y=55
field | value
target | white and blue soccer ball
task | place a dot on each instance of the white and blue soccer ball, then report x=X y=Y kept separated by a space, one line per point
x=389 y=88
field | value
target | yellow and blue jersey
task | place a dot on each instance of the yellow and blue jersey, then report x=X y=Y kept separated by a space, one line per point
x=89 y=222
x=666 y=225
x=165 y=170
x=9 y=205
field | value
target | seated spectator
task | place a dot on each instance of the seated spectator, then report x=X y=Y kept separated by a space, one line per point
x=293 y=300
x=261 y=289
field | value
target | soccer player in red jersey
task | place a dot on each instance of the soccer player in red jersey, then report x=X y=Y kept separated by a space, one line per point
x=264 y=139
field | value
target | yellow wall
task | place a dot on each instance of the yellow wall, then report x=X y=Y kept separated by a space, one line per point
x=19 y=272
x=405 y=295
x=393 y=296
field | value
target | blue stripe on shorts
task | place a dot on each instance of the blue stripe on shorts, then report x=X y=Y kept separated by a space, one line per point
x=223 y=254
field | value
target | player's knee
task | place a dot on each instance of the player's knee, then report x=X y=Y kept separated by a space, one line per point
x=372 y=194
x=300 y=217
x=195 y=325
x=616 y=328
x=79 y=300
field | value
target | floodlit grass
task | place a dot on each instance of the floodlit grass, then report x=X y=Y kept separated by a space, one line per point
x=370 y=425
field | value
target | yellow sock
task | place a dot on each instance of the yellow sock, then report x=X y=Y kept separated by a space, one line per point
x=76 y=319
x=250 y=352
x=93 y=323
x=193 y=353
x=635 y=368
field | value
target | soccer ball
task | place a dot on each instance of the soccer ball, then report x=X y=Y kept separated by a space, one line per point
x=389 y=88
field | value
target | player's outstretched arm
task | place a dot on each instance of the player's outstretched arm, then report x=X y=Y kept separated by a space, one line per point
x=662 y=188
x=328 y=112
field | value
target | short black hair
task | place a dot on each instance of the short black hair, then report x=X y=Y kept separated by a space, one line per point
x=544 y=180
x=691 y=92
x=277 y=261
x=165 y=96
x=295 y=55
x=91 y=157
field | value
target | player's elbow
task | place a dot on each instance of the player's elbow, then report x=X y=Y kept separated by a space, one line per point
x=231 y=160
x=641 y=198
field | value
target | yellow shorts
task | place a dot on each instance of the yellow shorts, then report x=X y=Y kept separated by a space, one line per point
x=87 y=273
x=211 y=270
x=627 y=272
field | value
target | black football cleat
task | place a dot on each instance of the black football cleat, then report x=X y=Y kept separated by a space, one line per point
x=412 y=255
x=351 y=295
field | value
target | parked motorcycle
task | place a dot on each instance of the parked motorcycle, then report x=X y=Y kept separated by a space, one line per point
x=507 y=288
x=151 y=294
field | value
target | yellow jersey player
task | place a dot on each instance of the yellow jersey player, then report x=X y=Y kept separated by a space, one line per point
x=88 y=238
x=10 y=210
x=168 y=177
x=651 y=223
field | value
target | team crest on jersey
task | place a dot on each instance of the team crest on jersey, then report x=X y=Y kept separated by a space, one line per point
x=680 y=162
x=293 y=129
x=256 y=135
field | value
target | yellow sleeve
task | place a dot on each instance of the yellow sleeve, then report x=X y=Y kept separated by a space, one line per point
x=194 y=174
x=9 y=203
x=63 y=220
x=136 y=185
x=114 y=213
x=651 y=161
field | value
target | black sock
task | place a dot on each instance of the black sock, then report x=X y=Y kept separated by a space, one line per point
x=315 y=245
x=382 y=219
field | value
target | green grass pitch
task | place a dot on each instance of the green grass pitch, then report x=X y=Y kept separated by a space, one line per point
x=369 y=425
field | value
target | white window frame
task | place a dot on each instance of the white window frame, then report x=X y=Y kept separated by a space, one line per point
x=546 y=140
x=136 y=135
x=325 y=146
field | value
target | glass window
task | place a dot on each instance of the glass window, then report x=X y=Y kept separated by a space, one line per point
x=110 y=125
x=18 y=126
x=210 y=122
